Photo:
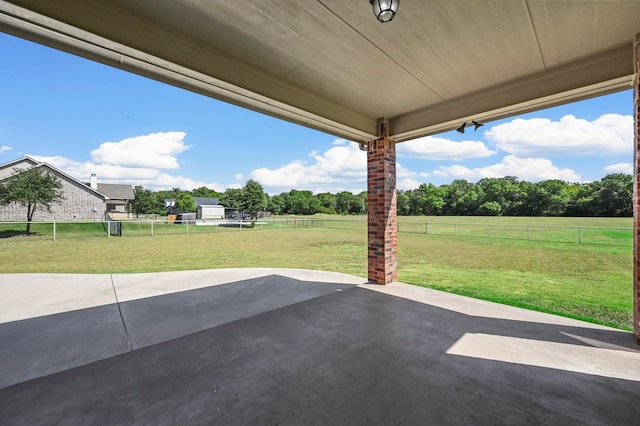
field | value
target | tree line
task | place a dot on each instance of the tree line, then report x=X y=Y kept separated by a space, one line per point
x=611 y=196
x=507 y=196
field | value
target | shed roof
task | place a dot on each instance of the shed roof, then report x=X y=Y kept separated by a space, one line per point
x=205 y=201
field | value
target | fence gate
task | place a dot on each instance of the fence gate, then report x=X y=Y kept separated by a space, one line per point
x=115 y=228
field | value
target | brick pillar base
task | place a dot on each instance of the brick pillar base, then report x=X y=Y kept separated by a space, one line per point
x=636 y=195
x=381 y=198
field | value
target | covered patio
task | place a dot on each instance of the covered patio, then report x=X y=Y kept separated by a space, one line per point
x=328 y=349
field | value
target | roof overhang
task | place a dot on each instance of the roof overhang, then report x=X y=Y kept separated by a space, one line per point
x=331 y=66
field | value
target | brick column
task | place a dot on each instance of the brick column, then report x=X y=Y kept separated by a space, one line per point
x=636 y=195
x=381 y=198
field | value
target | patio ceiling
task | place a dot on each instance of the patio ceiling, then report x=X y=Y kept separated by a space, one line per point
x=329 y=65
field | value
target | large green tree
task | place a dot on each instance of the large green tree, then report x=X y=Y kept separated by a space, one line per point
x=144 y=202
x=34 y=188
x=615 y=195
x=185 y=202
x=328 y=202
x=276 y=204
x=253 y=198
x=205 y=192
x=232 y=198
x=302 y=202
x=501 y=192
x=428 y=199
x=462 y=198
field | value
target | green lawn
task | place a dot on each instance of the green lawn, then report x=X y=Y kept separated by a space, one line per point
x=588 y=281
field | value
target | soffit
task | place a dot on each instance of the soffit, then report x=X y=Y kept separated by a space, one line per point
x=329 y=65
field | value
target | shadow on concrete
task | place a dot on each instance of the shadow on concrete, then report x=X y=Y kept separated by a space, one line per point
x=338 y=355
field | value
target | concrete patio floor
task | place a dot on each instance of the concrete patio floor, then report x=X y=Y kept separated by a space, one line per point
x=282 y=346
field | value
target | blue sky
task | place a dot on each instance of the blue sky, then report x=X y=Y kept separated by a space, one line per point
x=83 y=117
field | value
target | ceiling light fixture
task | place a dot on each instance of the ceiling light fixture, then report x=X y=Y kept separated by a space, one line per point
x=461 y=128
x=477 y=125
x=385 y=10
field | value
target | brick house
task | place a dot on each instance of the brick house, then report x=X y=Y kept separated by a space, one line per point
x=82 y=201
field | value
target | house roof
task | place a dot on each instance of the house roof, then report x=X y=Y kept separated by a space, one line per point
x=34 y=163
x=329 y=65
x=105 y=190
x=204 y=201
x=116 y=191
x=25 y=159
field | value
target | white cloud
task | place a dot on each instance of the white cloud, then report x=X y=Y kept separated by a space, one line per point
x=338 y=167
x=528 y=169
x=105 y=172
x=434 y=148
x=166 y=181
x=149 y=178
x=156 y=150
x=134 y=161
x=407 y=183
x=5 y=148
x=343 y=167
x=238 y=176
x=620 y=168
x=610 y=134
x=406 y=179
x=58 y=162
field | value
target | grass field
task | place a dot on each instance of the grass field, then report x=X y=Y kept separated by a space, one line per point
x=586 y=281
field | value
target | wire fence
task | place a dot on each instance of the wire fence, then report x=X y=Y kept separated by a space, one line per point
x=619 y=236
x=548 y=233
x=124 y=228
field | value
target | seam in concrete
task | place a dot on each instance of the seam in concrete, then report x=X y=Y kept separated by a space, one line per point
x=124 y=324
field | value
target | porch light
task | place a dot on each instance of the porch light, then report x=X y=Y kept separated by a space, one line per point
x=385 y=10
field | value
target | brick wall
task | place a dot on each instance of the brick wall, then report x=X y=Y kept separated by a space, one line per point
x=78 y=204
x=383 y=225
x=636 y=202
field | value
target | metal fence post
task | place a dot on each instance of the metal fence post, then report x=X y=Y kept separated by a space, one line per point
x=54 y=231
x=426 y=227
x=152 y=228
x=528 y=233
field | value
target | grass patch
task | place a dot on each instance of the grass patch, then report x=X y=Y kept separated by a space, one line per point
x=592 y=285
x=587 y=281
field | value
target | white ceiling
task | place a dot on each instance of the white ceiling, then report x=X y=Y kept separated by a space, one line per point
x=328 y=64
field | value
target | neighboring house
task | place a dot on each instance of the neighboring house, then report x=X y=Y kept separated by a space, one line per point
x=81 y=201
x=117 y=195
x=208 y=208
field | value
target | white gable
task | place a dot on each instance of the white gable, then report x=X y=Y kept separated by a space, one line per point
x=8 y=169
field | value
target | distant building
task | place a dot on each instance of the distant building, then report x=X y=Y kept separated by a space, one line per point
x=82 y=201
x=208 y=208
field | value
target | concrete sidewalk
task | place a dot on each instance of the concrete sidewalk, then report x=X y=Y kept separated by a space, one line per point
x=281 y=346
